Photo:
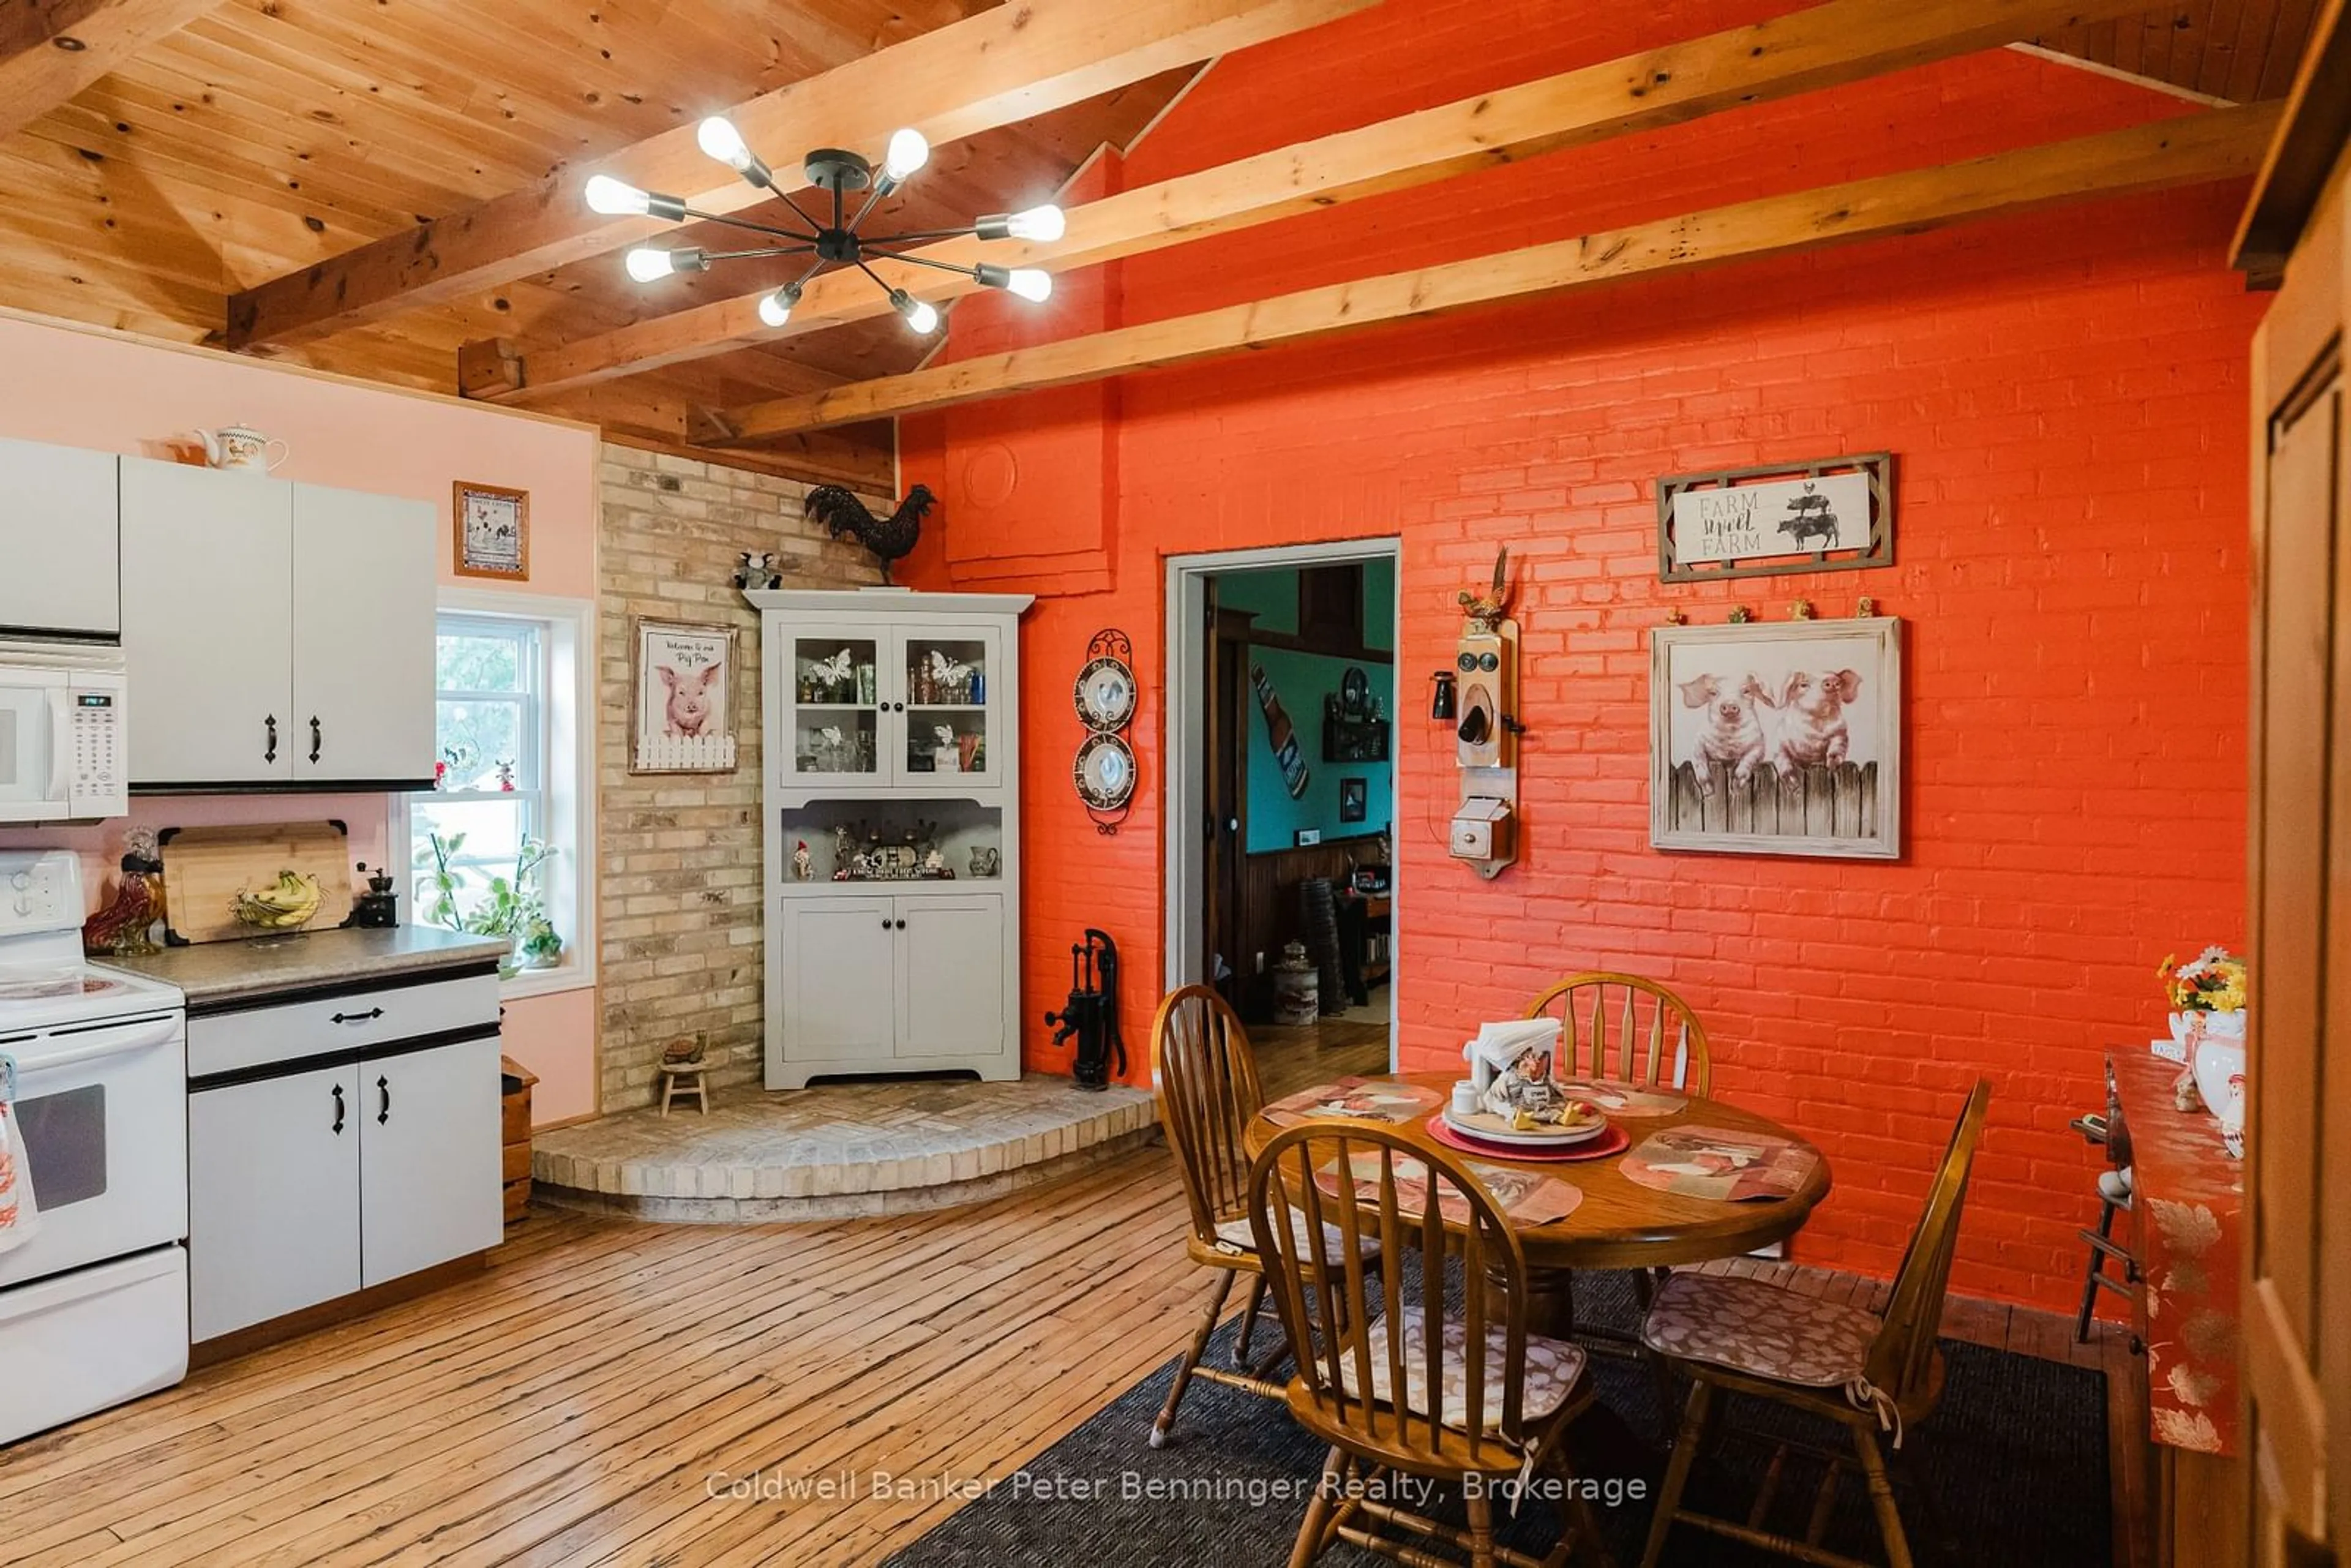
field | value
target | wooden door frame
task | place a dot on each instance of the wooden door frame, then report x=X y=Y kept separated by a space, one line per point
x=1184 y=741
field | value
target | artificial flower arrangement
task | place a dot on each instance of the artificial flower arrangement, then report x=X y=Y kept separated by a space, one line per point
x=2211 y=982
x=2208 y=1021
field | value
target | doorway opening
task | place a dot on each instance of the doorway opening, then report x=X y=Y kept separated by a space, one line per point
x=1281 y=789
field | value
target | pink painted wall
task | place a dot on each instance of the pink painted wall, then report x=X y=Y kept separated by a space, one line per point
x=78 y=386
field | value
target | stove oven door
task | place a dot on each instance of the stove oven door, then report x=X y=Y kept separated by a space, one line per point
x=102 y=1107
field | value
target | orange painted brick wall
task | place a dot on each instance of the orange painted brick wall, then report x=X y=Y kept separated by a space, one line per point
x=2065 y=397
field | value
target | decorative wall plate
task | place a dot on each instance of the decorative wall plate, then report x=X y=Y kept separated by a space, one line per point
x=1105 y=695
x=1104 y=772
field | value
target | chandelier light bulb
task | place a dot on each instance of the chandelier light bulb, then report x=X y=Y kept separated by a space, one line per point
x=648 y=265
x=776 y=309
x=721 y=140
x=1031 y=283
x=922 y=316
x=615 y=198
x=908 y=152
x=1043 y=222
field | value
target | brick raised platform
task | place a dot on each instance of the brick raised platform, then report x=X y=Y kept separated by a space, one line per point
x=835 y=1151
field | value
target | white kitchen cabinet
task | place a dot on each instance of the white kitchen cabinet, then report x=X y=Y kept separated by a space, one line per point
x=950 y=975
x=207 y=628
x=839 y=973
x=429 y=1182
x=276 y=634
x=329 y=1151
x=274 y=1197
x=60 y=536
x=893 y=725
x=363 y=600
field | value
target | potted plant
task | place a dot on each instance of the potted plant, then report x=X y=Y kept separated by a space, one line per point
x=513 y=906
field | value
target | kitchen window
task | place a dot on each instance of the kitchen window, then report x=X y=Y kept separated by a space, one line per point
x=508 y=701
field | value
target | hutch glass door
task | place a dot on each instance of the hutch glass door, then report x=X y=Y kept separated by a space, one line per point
x=951 y=691
x=834 y=709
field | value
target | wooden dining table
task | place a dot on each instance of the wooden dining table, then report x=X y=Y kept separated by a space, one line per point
x=1620 y=1224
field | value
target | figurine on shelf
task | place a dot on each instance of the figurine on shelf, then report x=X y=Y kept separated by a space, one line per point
x=758 y=570
x=832 y=678
x=802 y=861
x=985 y=860
x=950 y=679
x=844 y=853
x=944 y=756
x=934 y=866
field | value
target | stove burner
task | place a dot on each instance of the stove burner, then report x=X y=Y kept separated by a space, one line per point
x=55 y=986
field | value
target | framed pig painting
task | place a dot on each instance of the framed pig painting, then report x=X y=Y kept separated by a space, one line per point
x=684 y=687
x=1782 y=740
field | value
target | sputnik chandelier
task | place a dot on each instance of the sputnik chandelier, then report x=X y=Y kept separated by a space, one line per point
x=836 y=244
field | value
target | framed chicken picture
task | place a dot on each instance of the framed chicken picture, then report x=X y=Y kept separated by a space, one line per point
x=492 y=529
x=682 y=686
x=1782 y=740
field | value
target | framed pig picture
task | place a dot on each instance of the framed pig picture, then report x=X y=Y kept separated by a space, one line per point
x=1779 y=739
x=682 y=680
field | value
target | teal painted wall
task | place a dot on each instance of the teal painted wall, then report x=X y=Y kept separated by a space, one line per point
x=1301 y=680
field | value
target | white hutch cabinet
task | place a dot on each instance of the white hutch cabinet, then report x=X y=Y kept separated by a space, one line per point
x=891 y=727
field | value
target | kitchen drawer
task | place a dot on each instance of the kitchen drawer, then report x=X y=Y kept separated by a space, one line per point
x=357 y=1018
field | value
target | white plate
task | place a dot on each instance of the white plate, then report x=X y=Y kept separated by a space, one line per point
x=1494 y=1130
x=1105 y=695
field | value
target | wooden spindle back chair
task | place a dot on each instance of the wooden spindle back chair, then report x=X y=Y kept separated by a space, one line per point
x=1205 y=1076
x=1903 y=1360
x=1394 y=1386
x=1874 y=1374
x=1628 y=1028
x=1207 y=1090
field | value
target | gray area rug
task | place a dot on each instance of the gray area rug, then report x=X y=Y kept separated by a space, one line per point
x=2017 y=1455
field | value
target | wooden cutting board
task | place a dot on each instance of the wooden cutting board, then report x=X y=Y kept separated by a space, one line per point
x=205 y=869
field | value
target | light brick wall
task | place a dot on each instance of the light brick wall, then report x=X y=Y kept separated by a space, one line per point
x=680 y=852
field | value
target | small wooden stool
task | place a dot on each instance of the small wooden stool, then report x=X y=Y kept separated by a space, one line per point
x=697 y=1083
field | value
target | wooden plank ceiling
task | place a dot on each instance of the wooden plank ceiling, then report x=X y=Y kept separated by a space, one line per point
x=226 y=145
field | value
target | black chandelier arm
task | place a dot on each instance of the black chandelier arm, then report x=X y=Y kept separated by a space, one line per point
x=762 y=251
x=800 y=211
x=732 y=221
x=964 y=233
x=923 y=261
x=872 y=199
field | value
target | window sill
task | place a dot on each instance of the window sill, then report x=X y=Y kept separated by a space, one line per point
x=529 y=983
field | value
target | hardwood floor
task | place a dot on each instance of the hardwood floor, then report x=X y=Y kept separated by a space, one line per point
x=573 y=1404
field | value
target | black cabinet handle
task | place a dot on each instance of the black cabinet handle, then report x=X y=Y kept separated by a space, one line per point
x=314 y=737
x=383 y=1112
x=897 y=708
x=902 y=925
x=885 y=922
x=339 y=1109
x=269 y=752
x=357 y=1018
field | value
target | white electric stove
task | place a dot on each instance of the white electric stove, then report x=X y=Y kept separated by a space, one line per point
x=94 y=1306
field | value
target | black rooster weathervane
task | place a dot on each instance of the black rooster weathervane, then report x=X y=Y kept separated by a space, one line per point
x=888 y=538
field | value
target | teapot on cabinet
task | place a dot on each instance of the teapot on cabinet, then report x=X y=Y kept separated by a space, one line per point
x=240 y=447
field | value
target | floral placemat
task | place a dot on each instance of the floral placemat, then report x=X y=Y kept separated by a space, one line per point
x=1354 y=1099
x=1620 y=1099
x=1528 y=1197
x=1719 y=1163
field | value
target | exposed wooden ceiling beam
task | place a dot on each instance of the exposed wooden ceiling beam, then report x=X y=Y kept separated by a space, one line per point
x=1002 y=66
x=51 y=49
x=2196 y=149
x=1842 y=41
x=2294 y=174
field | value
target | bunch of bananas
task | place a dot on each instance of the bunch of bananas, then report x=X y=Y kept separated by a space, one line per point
x=282 y=905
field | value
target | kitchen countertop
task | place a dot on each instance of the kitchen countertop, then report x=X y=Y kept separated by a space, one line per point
x=210 y=973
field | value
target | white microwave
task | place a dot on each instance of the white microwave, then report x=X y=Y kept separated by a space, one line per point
x=64 y=753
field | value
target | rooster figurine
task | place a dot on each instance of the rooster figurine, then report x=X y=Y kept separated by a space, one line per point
x=888 y=538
